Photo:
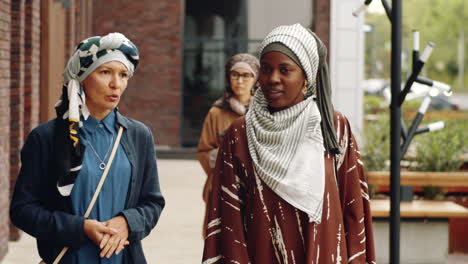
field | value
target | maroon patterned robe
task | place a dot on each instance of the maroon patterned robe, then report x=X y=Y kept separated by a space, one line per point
x=249 y=223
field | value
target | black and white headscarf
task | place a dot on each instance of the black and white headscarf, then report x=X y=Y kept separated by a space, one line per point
x=88 y=55
x=287 y=147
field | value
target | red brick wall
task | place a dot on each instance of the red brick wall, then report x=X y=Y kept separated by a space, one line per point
x=17 y=67
x=20 y=65
x=154 y=93
x=24 y=87
x=5 y=36
x=83 y=19
x=78 y=24
x=321 y=19
x=32 y=50
x=70 y=41
x=24 y=99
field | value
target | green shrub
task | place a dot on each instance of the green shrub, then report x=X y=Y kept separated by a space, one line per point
x=376 y=148
x=374 y=104
x=411 y=105
x=441 y=151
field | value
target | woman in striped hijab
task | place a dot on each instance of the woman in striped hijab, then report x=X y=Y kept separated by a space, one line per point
x=289 y=184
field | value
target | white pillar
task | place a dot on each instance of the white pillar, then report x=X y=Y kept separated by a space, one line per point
x=347 y=60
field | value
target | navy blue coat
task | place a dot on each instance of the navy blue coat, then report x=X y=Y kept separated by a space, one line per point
x=38 y=209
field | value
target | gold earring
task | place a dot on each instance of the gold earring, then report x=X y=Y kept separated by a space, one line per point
x=254 y=88
x=304 y=90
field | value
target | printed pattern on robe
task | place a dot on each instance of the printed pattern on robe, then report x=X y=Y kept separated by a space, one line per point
x=249 y=223
x=355 y=199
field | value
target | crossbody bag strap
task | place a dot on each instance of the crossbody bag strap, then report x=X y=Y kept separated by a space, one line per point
x=98 y=189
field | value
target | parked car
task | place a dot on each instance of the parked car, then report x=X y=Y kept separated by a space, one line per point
x=443 y=102
x=374 y=86
x=438 y=102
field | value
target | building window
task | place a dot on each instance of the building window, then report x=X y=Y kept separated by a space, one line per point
x=213 y=31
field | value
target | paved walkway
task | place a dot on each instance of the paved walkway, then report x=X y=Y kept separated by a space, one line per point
x=177 y=237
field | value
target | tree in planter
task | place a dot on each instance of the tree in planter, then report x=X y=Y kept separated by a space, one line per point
x=441 y=151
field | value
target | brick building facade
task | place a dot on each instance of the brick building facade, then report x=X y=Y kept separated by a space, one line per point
x=154 y=93
x=25 y=61
x=5 y=50
x=321 y=25
x=17 y=74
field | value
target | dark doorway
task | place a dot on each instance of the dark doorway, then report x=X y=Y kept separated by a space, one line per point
x=214 y=30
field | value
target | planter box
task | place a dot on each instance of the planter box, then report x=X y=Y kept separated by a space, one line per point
x=454 y=182
x=424 y=230
x=422 y=241
x=458 y=233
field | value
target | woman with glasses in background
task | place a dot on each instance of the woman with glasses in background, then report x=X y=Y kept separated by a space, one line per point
x=241 y=73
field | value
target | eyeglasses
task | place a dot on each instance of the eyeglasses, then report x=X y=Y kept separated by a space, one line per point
x=245 y=76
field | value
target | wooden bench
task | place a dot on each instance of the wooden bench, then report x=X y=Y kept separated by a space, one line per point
x=421 y=178
x=424 y=224
x=420 y=209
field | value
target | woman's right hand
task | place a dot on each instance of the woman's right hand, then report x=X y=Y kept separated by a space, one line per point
x=96 y=230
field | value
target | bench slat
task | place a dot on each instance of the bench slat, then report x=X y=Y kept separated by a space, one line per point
x=421 y=178
x=420 y=209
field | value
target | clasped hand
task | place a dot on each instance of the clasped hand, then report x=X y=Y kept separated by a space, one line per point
x=111 y=236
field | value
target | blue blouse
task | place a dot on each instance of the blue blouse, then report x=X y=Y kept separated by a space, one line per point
x=111 y=200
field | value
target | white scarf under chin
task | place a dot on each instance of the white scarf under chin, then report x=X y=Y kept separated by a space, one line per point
x=288 y=153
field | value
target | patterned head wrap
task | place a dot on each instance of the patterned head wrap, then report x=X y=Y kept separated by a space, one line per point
x=307 y=50
x=249 y=59
x=228 y=100
x=88 y=55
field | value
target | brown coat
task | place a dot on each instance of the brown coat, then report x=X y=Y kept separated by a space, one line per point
x=216 y=122
x=249 y=223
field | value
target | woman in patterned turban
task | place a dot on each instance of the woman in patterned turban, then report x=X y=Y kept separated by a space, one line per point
x=288 y=185
x=64 y=158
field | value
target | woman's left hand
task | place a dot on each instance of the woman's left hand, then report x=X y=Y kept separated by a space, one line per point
x=115 y=243
x=213 y=154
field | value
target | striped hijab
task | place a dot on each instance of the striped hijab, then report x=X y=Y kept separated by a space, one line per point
x=287 y=147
